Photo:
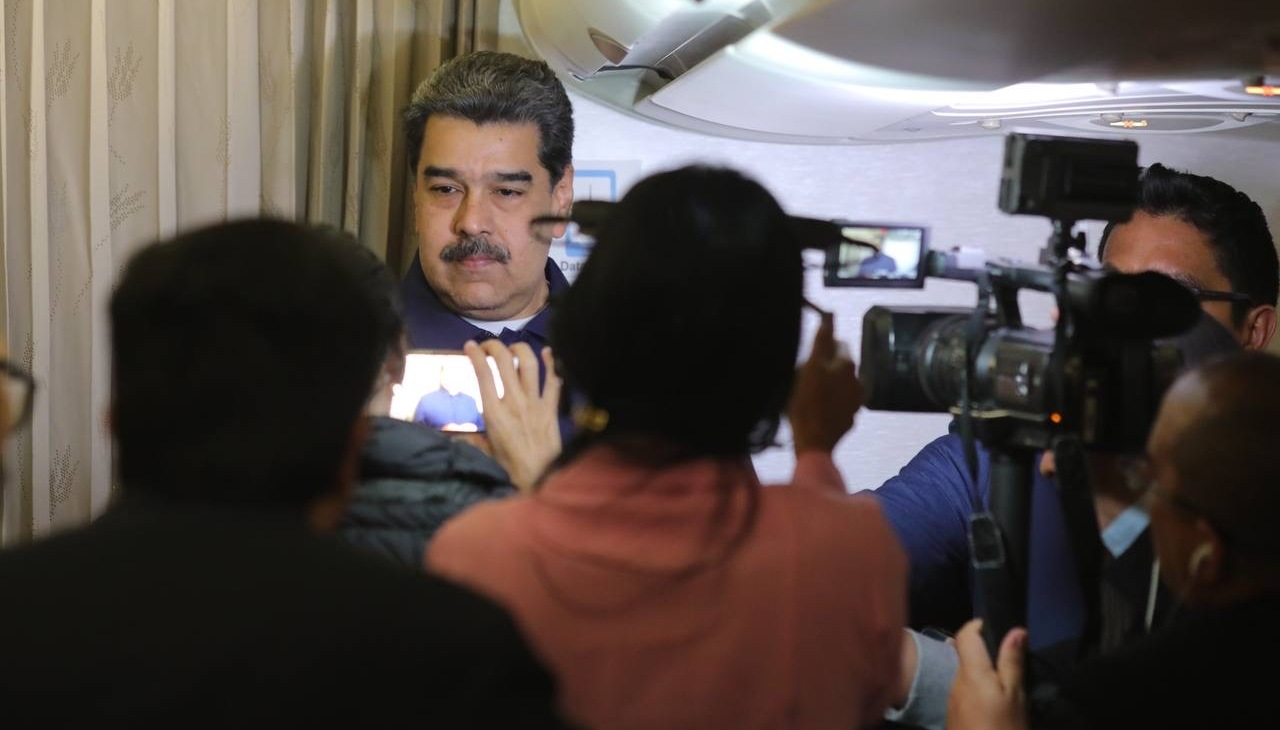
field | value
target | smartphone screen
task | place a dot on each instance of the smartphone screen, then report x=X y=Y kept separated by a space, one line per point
x=440 y=390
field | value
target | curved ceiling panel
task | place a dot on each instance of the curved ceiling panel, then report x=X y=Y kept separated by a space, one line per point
x=849 y=71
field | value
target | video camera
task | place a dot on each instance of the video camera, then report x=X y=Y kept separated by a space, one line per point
x=1092 y=382
x=1097 y=374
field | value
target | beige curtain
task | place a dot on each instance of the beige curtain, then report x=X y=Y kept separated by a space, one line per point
x=127 y=120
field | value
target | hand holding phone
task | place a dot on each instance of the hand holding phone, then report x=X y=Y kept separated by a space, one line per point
x=523 y=429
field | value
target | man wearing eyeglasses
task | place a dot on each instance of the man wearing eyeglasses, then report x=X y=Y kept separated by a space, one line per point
x=1195 y=229
x=1211 y=238
x=1214 y=240
x=1209 y=476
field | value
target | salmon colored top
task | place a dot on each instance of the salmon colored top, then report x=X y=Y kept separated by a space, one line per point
x=662 y=599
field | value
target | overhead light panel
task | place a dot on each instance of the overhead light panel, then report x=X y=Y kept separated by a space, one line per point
x=1260 y=86
x=1126 y=123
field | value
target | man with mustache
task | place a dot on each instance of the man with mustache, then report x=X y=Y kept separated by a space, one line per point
x=490 y=140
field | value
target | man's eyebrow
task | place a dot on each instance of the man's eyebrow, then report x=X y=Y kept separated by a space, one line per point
x=433 y=171
x=513 y=176
x=517 y=176
x=1183 y=279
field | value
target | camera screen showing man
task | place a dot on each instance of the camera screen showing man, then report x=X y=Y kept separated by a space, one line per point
x=887 y=256
x=439 y=390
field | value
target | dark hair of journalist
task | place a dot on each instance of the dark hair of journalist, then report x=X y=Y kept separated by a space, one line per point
x=683 y=325
x=242 y=356
x=1234 y=225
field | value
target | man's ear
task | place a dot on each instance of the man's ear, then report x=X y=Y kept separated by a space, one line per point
x=326 y=511
x=1207 y=560
x=562 y=199
x=1259 y=326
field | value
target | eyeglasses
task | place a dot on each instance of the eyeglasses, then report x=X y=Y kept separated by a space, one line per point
x=1139 y=477
x=1203 y=295
x=1155 y=491
x=1141 y=481
x=1213 y=295
x=20 y=388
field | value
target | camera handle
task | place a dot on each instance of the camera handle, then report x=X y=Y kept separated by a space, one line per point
x=999 y=536
x=998 y=548
x=1076 y=496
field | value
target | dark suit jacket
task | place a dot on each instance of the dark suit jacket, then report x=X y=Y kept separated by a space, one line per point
x=1125 y=591
x=1202 y=671
x=208 y=615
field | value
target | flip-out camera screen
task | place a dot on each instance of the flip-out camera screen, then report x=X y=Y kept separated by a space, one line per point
x=894 y=262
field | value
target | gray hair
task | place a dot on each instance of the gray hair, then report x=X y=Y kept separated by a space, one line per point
x=491 y=87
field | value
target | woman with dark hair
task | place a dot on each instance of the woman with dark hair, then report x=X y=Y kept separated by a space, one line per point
x=650 y=569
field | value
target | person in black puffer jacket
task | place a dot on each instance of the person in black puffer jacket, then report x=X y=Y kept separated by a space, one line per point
x=412 y=477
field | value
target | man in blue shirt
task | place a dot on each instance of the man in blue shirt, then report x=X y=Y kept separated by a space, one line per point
x=878 y=265
x=490 y=141
x=1195 y=229
x=443 y=408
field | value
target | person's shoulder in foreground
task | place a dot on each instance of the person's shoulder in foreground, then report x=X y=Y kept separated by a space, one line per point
x=215 y=616
x=212 y=591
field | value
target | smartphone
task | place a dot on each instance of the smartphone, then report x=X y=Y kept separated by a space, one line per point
x=896 y=261
x=440 y=390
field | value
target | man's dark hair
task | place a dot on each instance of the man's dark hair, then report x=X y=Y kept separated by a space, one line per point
x=242 y=356
x=684 y=322
x=488 y=87
x=1235 y=226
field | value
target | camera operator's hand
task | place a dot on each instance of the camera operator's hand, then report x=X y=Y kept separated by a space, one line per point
x=826 y=395
x=521 y=425
x=986 y=697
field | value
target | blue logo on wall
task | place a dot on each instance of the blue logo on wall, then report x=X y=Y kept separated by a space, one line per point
x=590 y=185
